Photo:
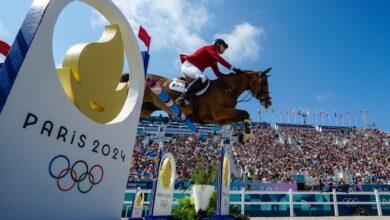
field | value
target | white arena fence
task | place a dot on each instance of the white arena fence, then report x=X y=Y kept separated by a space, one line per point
x=378 y=203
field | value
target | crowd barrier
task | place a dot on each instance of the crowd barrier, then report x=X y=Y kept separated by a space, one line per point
x=291 y=203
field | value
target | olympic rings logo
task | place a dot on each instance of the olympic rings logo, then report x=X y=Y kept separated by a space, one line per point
x=163 y=204
x=350 y=200
x=76 y=179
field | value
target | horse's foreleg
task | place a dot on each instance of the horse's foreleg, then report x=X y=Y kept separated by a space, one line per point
x=230 y=116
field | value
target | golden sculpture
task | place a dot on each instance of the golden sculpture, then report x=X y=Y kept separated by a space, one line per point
x=139 y=198
x=166 y=173
x=225 y=171
x=90 y=76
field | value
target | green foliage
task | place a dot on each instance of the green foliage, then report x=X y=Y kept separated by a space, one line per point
x=185 y=209
x=212 y=207
x=236 y=213
x=204 y=175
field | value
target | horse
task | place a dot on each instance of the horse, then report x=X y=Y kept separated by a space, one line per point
x=218 y=104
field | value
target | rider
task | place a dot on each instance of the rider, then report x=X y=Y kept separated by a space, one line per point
x=194 y=65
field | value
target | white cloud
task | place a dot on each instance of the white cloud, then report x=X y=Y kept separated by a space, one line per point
x=178 y=26
x=324 y=96
x=172 y=24
x=3 y=31
x=243 y=42
x=320 y=97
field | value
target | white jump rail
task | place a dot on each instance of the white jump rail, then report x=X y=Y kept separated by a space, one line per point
x=291 y=203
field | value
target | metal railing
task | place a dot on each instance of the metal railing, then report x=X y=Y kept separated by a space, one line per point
x=291 y=201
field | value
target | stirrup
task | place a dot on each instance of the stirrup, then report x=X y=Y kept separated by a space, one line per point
x=182 y=101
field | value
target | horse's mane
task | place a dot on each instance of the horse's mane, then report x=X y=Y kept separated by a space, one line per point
x=235 y=75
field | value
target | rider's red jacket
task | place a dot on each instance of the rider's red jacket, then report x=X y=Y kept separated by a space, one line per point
x=204 y=57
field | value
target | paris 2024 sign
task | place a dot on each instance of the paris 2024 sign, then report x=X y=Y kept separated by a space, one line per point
x=67 y=133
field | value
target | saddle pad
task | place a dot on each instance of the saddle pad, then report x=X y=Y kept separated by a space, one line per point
x=179 y=86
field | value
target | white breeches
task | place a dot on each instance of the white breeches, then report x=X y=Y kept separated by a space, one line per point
x=191 y=71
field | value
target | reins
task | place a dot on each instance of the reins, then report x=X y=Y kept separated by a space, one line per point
x=228 y=88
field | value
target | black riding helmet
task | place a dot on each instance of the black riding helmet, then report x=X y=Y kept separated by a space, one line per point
x=219 y=41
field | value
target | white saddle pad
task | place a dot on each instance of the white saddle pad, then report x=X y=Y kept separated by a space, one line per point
x=178 y=85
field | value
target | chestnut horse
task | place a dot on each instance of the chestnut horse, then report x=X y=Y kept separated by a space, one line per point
x=218 y=104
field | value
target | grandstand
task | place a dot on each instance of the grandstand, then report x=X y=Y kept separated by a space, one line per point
x=313 y=161
x=321 y=157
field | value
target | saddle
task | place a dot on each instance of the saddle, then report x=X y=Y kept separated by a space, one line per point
x=180 y=83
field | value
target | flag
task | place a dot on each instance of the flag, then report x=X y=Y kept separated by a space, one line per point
x=286 y=111
x=144 y=36
x=4 y=48
x=341 y=115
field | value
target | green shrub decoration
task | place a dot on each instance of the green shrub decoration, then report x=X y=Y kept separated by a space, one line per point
x=204 y=175
x=185 y=209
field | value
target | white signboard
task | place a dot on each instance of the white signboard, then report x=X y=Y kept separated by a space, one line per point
x=138 y=204
x=59 y=159
x=163 y=191
x=225 y=188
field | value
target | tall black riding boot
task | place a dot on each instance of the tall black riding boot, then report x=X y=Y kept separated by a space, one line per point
x=193 y=88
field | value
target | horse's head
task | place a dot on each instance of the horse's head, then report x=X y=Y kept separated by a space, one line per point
x=258 y=86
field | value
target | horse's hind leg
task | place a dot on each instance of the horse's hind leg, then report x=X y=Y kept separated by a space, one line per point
x=147 y=109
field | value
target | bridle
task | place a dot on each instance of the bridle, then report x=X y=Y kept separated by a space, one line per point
x=261 y=97
x=230 y=89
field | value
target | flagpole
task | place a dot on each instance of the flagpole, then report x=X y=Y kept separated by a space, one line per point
x=349 y=120
x=295 y=116
x=288 y=117
x=273 y=117
x=280 y=116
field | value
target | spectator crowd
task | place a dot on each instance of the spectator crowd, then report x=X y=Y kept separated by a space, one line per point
x=353 y=155
x=279 y=155
x=188 y=151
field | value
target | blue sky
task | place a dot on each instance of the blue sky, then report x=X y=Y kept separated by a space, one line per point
x=330 y=55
